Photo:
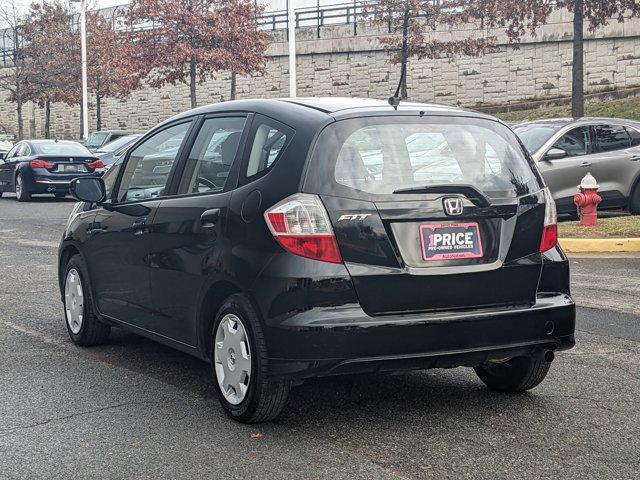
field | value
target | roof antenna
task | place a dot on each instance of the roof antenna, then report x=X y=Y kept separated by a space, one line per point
x=395 y=100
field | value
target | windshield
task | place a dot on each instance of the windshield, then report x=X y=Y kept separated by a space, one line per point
x=96 y=139
x=534 y=136
x=380 y=156
x=117 y=144
x=58 y=148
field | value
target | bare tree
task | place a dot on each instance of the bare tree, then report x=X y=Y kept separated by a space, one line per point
x=12 y=78
x=413 y=27
x=596 y=13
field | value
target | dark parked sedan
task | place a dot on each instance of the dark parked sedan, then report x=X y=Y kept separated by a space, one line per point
x=566 y=149
x=286 y=239
x=45 y=166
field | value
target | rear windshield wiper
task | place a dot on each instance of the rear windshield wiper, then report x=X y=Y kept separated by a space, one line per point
x=469 y=191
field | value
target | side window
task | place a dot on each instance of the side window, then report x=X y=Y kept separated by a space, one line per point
x=634 y=135
x=13 y=152
x=147 y=169
x=575 y=142
x=26 y=151
x=212 y=155
x=611 y=137
x=268 y=142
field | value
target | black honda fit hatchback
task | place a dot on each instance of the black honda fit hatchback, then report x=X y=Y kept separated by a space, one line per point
x=286 y=239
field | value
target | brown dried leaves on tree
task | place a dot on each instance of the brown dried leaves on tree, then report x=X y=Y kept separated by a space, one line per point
x=188 y=41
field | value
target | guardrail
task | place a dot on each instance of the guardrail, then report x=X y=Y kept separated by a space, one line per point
x=318 y=16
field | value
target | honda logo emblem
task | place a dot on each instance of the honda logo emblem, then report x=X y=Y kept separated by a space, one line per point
x=453 y=206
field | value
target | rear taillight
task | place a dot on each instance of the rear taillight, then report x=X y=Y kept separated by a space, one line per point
x=96 y=164
x=301 y=225
x=39 y=163
x=550 y=229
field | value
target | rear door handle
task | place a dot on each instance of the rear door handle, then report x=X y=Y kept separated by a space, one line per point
x=139 y=226
x=209 y=218
x=586 y=164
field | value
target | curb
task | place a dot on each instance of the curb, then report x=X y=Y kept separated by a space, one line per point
x=596 y=245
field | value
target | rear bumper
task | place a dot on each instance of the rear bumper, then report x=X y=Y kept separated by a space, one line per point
x=47 y=185
x=341 y=340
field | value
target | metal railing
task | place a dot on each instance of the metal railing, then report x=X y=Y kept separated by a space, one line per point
x=318 y=16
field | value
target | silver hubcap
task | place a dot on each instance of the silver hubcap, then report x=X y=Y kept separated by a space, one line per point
x=18 y=186
x=74 y=301
x=232 y=359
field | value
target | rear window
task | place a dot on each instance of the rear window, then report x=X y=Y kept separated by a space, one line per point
x=96 y=139
x=56 y=148
x=378 y=156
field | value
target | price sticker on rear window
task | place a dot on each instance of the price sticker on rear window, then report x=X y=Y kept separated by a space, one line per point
x=450 y=241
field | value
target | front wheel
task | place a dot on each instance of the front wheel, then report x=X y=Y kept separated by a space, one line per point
x=22 y=194
x=515 y=375
x=239 y=361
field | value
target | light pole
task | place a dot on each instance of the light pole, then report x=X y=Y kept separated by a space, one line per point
x=291 y=23
x=83 y=54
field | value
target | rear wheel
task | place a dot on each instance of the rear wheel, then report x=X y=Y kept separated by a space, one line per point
x=239 y=363
x=82 y=323
x=515 y=375
x=22 y=194
x=634 y=201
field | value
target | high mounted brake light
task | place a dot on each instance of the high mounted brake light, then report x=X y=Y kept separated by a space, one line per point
x=301 y=225
x=550 y=228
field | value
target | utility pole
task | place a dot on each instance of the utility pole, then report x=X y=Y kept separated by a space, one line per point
x=83 y=54
x=291 y=23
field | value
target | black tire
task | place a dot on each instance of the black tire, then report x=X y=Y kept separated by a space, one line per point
x=634 y=201
x=1 y=194
x=266 y=396
x=513 y=376
x=60 y=194
x=92 y=330
x=22 y=193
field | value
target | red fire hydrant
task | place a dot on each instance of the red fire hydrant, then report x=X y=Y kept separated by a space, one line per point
x=587 y=201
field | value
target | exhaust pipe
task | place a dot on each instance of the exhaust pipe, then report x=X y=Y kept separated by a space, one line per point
x=549 y=356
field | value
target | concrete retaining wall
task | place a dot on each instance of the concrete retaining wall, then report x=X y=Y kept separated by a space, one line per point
x=341 y=64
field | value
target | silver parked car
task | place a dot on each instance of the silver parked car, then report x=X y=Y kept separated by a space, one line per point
x=566 y=149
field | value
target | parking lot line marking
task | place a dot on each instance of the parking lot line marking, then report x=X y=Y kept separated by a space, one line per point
x=34 y=333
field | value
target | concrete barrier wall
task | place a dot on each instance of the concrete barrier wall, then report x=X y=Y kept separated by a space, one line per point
x=341 y=64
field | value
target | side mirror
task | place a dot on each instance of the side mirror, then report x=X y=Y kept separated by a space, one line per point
x=88 y=189
x=555 y=154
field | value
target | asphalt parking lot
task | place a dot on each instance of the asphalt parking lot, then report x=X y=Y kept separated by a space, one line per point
x=136 y=409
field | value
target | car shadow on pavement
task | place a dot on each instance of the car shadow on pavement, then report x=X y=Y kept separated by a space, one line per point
x=40 y=199
x=387 y=397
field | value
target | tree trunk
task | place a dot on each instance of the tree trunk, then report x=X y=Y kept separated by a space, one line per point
x=19 y=112
x=47 y=118
x=577 y=84
x=405 y=56
x=192 y=81
x=232 y=94
x=98 y=112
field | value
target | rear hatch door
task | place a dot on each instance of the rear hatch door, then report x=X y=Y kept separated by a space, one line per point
x=431 y=214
